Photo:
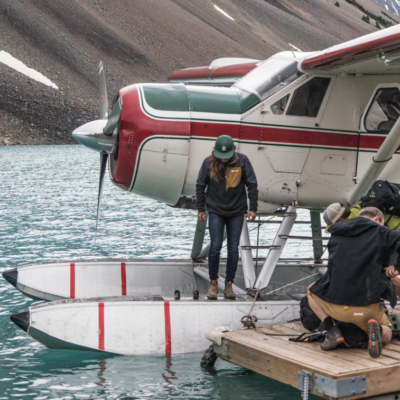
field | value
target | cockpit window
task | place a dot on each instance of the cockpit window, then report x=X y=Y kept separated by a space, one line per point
x=278 y=108
x=307 y=99
x=384 y=111
x=270 y=77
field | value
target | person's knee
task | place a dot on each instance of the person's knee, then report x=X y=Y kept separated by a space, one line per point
x=386 y=335
x=215 y=247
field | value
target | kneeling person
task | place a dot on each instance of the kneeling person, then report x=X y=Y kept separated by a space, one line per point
x=351 y=289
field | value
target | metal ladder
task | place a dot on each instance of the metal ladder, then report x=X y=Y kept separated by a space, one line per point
x=275 y=250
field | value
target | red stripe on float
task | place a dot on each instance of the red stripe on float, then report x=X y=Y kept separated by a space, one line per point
x=167 y=328
x=123 y=279
x=101 y=326
x=72 y=280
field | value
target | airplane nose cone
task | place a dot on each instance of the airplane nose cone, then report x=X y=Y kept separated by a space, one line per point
x=91 y=135
x=21 y=319
x=11 y=276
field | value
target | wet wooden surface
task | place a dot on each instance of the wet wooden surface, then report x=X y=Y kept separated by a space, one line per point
x=281 y=359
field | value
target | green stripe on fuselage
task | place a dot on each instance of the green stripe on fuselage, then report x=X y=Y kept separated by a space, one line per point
x=166 y=97
x=181 y=98
x=213 y=100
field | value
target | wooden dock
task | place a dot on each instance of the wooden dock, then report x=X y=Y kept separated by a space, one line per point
x=342 y=373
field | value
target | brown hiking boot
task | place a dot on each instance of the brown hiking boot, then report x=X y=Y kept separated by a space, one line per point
x=333 y=338
x=229 y=293
x=213 y=291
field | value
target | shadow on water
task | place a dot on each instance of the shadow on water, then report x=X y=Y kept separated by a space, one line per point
x=50 y=195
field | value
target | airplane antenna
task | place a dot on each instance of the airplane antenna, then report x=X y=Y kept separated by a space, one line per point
x=294 y=48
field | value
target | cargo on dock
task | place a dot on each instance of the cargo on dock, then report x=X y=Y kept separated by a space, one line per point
x=342 y=373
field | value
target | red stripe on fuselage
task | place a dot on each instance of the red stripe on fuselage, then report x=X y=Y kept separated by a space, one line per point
x=136 y=127
x=167 y=317
x=123 y=279
x=72 y=280
x=101 y=326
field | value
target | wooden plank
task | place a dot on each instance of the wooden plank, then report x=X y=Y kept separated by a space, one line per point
x=349 y=355
x=389 y=357
x=379 y=381
x=357 y=353
x=280 y=359
x=293 y=353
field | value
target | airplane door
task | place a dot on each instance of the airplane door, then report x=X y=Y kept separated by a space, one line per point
x=328 y=175
x=284 y=151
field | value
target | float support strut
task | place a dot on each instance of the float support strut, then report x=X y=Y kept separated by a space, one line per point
x=249 y=272
x=274 y=254
x=199 y=238
x=316 y=232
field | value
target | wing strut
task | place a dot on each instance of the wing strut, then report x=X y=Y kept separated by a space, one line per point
x=378 y=163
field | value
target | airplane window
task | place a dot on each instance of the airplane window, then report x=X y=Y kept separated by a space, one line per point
x=307 y=99
x=278 y=108
x=270 y=77
x=384 y=111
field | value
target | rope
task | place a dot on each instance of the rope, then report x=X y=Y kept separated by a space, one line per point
x=290 y=284
x=250 y=321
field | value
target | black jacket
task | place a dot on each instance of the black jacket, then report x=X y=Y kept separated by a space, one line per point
x=227 y=197
x=359 y=249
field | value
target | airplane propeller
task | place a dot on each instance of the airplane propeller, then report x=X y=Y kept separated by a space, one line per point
x=101 y=135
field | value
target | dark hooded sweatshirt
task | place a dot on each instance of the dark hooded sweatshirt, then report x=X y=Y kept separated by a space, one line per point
x=359 y=250
x=227 y=197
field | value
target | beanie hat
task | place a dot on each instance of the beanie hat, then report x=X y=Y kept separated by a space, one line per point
x=333 y=213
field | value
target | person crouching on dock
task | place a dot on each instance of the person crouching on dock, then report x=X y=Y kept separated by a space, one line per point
x=221 y=186
x=356 y=279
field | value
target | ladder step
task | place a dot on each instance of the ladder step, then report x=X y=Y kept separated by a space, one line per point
x=305 y=237
x=260 y=247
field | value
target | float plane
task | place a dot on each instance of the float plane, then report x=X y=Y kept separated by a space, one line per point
x=319 y=127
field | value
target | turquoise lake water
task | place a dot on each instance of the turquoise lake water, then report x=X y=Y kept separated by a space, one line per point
x=48 y=205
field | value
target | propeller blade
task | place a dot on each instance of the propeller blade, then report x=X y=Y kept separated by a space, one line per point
x=103 y=92
x=103 y=164
x=114 y=118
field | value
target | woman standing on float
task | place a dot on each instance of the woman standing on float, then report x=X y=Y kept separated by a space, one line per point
x=221 y=187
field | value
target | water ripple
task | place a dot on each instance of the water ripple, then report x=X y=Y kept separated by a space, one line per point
x=48 y=211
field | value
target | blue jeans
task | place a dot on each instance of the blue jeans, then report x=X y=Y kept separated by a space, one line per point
x=234 y=227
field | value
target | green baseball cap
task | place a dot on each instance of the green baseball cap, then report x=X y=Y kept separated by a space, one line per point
x=224 y=147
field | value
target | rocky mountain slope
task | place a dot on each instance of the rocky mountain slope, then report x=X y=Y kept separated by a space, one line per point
x=390 y=5
x=141 y=41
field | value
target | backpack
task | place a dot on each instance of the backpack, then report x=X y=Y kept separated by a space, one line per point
x=354 y=336
x=383 y=195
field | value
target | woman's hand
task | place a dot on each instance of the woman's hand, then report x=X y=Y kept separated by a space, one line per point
x=202 y=216
x=391 y=272
x=252 y=216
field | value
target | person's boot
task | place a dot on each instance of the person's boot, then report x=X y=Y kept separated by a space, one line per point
x=374 y=339
x=229 y=293
x=333 y=338
x=213 y=291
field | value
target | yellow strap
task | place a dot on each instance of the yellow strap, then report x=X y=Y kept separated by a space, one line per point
x=345 y=307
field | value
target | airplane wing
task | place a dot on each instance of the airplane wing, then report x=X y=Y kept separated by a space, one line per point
x=374 y=54
x=221 y=72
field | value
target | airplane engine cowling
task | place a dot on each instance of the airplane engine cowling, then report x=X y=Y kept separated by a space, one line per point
x=154 y=139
